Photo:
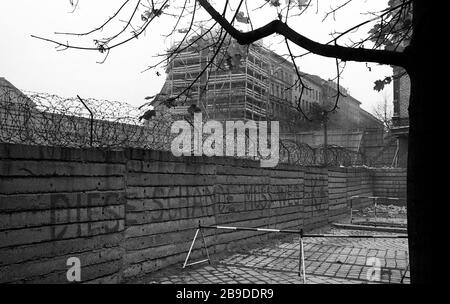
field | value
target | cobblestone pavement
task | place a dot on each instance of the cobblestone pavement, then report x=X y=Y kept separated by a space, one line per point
x=327 y=260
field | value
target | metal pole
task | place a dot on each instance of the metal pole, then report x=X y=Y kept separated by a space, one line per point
x=91 y=120
x=302 y=255
x=351 y=210
x=404 y=274
x=190 y=249
x=390 y=236
x=375 y=206
x=204 y=245
x=325 y=139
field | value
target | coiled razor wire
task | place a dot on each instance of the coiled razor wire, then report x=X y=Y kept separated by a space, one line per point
x=304 y=155
x=46 y=119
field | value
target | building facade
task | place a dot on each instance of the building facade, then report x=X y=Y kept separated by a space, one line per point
x=259 y=85
x=347 y=115
x=400 y=118
x=312 y=94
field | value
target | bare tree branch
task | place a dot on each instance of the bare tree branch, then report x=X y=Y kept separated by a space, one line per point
x=335 y=51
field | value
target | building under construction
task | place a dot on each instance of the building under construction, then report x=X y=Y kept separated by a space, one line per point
x=242 y=83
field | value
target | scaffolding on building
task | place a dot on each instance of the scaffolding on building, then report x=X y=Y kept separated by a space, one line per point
x=224 y=93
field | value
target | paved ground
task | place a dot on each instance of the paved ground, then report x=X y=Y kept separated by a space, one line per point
x=328 y=260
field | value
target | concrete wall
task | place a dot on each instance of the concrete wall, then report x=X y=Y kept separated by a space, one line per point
x=125 y=214
x=343 y=183
x=166 y=197
x=59 y=203
x=390 y=183
x=348 y=139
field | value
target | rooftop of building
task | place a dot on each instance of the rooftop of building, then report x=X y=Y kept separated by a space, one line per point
x=9 y=88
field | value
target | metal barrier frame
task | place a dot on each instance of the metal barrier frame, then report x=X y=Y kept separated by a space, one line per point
x=301 y=266
x=199 y=229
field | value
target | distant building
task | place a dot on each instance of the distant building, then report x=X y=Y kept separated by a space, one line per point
x=313 y=93
x=9 y=93
x=400 y=118
x=259 y=85
x=368 y=121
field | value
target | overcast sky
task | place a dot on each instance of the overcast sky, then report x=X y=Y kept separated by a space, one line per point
x=34 y=65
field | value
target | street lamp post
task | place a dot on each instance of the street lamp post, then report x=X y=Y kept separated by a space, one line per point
x=325 y=137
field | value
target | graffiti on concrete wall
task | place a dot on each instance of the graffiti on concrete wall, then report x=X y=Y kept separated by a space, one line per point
x=74 y=212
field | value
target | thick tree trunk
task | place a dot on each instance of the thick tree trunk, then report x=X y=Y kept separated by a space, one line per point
x=420 y=203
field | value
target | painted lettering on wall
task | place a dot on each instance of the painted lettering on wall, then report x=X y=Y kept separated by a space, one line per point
x=74 y=212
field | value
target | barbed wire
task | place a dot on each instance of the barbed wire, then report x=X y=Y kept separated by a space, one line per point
x=47 y=119
x=304 y=155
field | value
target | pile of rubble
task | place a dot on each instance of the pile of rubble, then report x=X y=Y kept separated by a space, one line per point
x=389 y=211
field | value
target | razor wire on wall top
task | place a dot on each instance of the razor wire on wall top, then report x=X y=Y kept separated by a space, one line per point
x=51 y=120
x=304 y=155
x=46 y=119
